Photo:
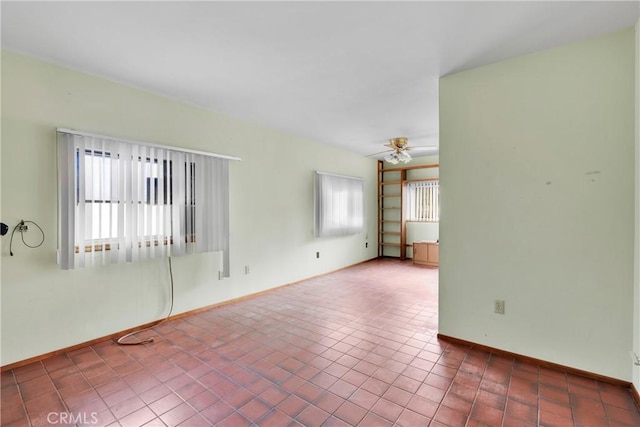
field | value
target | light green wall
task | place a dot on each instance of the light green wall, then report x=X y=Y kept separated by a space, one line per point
x=45 y=309
x=636 y=299
x=537 y=183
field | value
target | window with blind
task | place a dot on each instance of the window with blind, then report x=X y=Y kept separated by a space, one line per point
x=423 y=201
x=121 y=201
x=339 y=205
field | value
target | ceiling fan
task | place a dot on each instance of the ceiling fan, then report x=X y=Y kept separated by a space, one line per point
x=398 y=152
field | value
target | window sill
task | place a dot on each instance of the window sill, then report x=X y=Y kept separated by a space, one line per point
x=99 y=247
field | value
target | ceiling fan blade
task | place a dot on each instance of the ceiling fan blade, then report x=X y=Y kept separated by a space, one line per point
x=381 y=152
x=422 y=147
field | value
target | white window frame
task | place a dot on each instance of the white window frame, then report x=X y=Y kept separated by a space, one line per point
x=339 y=205
x=423 y=200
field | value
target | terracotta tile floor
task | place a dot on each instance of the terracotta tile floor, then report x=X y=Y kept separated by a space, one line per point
x=355 y=347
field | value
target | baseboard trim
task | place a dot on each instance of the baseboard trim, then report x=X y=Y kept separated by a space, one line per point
x=116 y=335
x=636 y=396
x=540 y=362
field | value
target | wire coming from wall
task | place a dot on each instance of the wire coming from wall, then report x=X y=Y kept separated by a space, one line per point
x=120 y=340
x=22 y=227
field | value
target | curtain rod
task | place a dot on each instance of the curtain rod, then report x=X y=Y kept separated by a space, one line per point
x=337 y=175
x=148 y=144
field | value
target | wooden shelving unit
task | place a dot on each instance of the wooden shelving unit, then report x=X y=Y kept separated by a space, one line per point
x=391 y=210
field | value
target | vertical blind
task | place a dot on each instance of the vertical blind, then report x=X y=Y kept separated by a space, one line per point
x=423 y=201
x=339 y=205
x=121 y=201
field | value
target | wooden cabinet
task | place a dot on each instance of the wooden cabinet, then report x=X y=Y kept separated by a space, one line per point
x=426 y=253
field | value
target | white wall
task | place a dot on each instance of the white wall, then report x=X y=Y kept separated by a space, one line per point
x=422 y=232
x=45 y=309
x=537 y=182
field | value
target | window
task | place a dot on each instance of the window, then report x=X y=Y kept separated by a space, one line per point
x=339 y=205
x=101 y=198
x=423 y=201
x=122 y=201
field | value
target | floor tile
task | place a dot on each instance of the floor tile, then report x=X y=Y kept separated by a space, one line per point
x=386 y=409
x=254 y=409
x=450 y=417
x=357 y=347
x=274 y=418
x=350 y=413
x=312 y=416
x=217 y=412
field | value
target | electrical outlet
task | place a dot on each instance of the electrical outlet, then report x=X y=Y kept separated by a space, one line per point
x=366 y=245
x=317 y=254
x=247 y=269
x=498 y=306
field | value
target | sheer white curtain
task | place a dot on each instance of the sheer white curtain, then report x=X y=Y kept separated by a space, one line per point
x=339 y=205
x=423 y=201
x=122 y=202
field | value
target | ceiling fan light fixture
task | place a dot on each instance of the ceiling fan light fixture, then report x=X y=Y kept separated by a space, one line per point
x=404 y=157
x=391 y=158
x=398 y=150
x=397 y=157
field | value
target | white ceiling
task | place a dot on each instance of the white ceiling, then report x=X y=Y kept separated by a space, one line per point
x=350 y=74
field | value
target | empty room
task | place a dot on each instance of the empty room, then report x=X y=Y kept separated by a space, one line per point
x=320 y=213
